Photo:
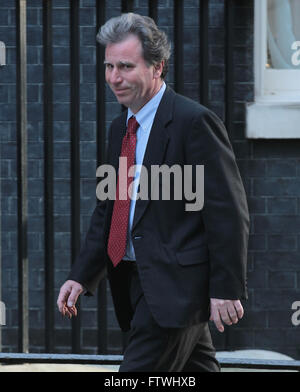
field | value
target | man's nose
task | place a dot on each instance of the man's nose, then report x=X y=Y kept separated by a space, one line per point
x=115 y=76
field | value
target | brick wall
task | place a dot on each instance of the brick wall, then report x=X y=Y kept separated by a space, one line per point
x=270 y=171
x=8 y=167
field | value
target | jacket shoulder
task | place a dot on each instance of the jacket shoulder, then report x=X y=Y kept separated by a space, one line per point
x=188 y=108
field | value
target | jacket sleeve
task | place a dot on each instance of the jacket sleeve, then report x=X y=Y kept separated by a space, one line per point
x=225 y=212
x=90 y=266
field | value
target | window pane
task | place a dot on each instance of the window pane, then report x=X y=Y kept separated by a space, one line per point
x=283 y=34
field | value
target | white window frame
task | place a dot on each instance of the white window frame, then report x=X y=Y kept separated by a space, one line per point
x=275 y=114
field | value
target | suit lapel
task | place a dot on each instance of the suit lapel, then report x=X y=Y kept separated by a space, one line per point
x=118 y=131
x=120 y=127
x=156 y=147
x=157 y=144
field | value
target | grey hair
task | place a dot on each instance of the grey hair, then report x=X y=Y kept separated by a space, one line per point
x=155 y=43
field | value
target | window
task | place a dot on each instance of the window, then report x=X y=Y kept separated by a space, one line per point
x=276 y=110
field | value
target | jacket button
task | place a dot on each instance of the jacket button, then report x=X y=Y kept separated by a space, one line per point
x=137 y=237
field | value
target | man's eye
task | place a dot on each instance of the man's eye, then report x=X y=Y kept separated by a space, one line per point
x=109 y=66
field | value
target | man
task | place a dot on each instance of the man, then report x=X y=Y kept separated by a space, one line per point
x=169 y=269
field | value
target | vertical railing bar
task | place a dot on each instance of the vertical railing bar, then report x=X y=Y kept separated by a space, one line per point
x=127 y=6
x=229 y=79
x=178 y=52
x=153 y=9
x=229 y=86
x=75 y=154
x=203 y=53
x=0 y=253
x=48 y=175
x=23 y=297
x=100 y=141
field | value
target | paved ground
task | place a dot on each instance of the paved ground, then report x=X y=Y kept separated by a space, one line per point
x=57 y=368
x=253 y=354
x=36 y=368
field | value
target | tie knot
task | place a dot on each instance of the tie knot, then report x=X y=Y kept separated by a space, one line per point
x=132 y=125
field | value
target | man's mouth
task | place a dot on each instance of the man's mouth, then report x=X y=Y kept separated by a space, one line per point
x=121 y=90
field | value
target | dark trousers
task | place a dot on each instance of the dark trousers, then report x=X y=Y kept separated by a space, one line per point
x=153 y=348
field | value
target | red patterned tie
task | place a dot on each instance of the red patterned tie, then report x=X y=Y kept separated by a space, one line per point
x=119 y=222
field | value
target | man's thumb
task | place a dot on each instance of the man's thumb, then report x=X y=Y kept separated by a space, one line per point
x=73 y=297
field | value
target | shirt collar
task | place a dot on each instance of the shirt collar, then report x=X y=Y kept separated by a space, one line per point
x=146 y=114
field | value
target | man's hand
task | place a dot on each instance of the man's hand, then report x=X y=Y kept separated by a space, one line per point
x=68 y=296
x=228 y=311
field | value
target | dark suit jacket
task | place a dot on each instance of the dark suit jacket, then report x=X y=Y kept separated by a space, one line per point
x=183 y=258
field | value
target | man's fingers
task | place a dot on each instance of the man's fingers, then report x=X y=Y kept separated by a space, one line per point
x=239 y=308
x=73 y=297
x=225 y=316
x=232 y=313
x=66 y=312
x=62 y=298
x=226 y=311
x=68 y=297
x=215 y=317
x=218 y=323
x=73 y=310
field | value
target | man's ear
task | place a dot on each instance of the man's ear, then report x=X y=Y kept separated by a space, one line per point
x=158 y=68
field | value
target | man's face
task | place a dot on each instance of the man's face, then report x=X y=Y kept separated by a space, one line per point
x=133 y=81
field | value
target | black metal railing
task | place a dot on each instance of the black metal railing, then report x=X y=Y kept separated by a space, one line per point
x=48 y=176
x=23 y=337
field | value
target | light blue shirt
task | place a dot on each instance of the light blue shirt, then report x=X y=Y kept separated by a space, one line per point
x=145 y=118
